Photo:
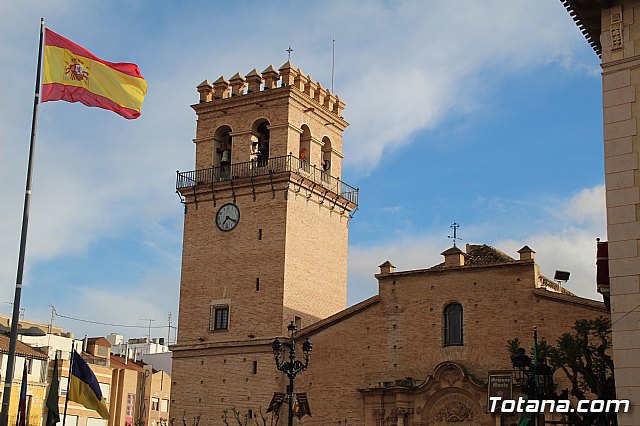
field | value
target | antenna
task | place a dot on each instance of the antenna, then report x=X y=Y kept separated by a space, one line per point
x=333 y=60
x=455 y=227
x=169 y=331
x=150 y=321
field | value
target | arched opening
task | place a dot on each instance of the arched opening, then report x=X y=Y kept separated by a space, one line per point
x=453 y=325
x=325 y=160
x=223 y=143
x=260 y=143
x=304 y=151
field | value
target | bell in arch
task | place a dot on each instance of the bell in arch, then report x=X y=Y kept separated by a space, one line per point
x=226 y=157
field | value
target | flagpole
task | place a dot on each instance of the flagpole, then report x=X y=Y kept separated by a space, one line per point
x=66 y=399
x=6 y=397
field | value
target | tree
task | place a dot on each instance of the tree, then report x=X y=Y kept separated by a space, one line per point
x=264 y=420
x=584 y=358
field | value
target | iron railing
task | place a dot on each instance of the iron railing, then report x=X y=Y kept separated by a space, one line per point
x=287 y=163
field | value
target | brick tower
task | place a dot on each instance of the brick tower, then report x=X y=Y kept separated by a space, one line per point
x=265 y=235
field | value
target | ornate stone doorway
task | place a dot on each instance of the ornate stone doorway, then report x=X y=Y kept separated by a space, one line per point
x=450 y=396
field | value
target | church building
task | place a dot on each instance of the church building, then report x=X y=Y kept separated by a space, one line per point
x=265 y=244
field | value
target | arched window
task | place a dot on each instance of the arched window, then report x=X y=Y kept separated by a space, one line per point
x=260 y=143
x=325 y=162
x=453 y=325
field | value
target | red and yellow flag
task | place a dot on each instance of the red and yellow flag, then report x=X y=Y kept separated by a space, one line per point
x=73 y=74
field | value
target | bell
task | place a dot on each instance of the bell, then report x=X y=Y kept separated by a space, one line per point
x=226 y=156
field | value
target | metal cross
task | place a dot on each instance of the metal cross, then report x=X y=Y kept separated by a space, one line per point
x=289 y=50
x=455 y=227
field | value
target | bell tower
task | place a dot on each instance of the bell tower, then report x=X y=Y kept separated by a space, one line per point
x=265 y=233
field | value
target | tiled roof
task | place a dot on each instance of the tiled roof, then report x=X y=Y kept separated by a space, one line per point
x=117 y=361
x=485 y=255
x=22 y=349
x=479 y=255
x=99 y=341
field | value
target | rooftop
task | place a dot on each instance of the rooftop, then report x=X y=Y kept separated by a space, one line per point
x=22 y=349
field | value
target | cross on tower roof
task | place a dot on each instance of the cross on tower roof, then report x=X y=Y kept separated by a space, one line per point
x=289 y=50
x=455 y=227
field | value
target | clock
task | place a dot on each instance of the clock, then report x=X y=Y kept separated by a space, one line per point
x=228 y=217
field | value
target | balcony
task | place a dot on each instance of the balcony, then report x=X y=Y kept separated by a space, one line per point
x=251 y=169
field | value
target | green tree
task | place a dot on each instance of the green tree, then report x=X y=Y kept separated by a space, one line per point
x=584 y=357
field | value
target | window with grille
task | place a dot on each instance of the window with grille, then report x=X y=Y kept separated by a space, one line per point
x=219 y=317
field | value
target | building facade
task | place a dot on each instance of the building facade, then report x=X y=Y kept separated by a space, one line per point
x=36 y=361
x=613 y=31
x=265 y=244
x=96 y=354
x=421 y=351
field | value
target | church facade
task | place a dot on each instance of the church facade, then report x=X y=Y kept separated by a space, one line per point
x=265 y=244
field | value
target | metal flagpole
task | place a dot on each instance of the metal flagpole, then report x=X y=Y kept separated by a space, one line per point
x=6 y=397
x=66 y=399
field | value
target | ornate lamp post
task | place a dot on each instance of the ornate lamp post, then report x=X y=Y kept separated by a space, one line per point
x=293 y=366
x=534 y=375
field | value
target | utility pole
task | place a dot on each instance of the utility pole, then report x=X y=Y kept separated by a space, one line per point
x=53 y=314
x=169 y=330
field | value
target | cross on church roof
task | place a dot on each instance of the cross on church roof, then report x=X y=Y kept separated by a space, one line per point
x=455 y=227
x=289 y=50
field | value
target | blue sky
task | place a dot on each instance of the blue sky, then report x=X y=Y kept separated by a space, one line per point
x=484 y=113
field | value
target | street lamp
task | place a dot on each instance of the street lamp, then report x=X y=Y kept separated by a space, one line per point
x=533 y=375
x=293 y=366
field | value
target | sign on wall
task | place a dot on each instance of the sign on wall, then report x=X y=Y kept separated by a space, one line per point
x=500 y=384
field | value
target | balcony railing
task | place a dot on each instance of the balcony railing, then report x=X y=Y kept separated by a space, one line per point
x=287 y=163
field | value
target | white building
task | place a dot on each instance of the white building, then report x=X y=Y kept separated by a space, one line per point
x=151 y=351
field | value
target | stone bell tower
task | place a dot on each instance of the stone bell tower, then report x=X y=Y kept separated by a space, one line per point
x=265 y=234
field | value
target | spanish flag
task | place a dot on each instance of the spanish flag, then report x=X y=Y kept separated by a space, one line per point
x=84 y=388
x=73 y=74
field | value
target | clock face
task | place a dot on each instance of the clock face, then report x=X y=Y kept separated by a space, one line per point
x=228 y=217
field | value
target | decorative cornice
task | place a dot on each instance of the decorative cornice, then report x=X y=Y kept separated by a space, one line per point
x=621 y=64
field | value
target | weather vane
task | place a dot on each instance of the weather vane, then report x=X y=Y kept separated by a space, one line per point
x=455 y=227
x=289 y=50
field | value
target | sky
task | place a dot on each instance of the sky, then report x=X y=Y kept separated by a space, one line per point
x=487 y=114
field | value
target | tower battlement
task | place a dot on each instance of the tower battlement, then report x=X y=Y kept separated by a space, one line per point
x=254 y=82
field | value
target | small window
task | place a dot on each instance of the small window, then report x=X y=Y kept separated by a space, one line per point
x=257 y=284
x=164 y=407
x=219 y=317
x=131 y=401
x=155 y=404
x=64 y=383
x=297 y=321
x=69 y=420
x=453 y=325
x=105 y=388
x=255 y=367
